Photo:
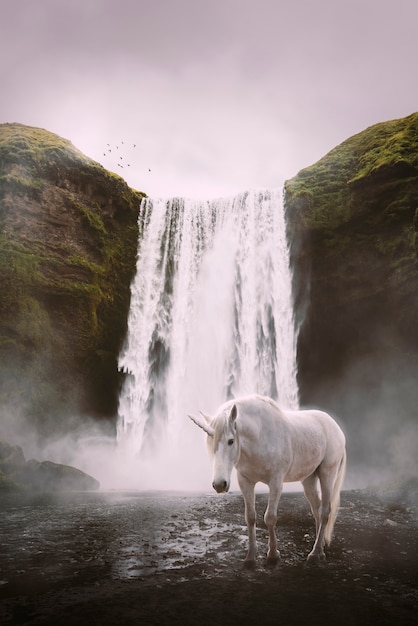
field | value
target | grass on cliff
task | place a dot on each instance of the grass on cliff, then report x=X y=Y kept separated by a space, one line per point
x=326 y=194
x=32 y=145
x=69 y=286
x=389 y=144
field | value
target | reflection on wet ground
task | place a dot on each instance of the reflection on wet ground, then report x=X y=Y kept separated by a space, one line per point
x=119 y=535
x=121 y=555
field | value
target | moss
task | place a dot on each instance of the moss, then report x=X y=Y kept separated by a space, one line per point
x=95 y=269
x=389 y=145
x=93 y=219
x=35 y=147
x=22 y=185
x=329 y=193
x=68 y=244
x=351 y=224
x=19 y=269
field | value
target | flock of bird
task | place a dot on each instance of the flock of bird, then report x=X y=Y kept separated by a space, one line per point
x=121 y=161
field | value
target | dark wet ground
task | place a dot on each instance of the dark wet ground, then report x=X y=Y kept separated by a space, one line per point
x=168 y=558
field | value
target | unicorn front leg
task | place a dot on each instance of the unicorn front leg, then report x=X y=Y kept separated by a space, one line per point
x=270 y=519
x=247 y=489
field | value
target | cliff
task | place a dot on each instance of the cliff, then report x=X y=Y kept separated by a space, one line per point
x=68 y=245
x=353 y=222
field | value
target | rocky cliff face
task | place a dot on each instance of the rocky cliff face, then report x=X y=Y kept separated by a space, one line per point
x=68 y=244
x=353 y=227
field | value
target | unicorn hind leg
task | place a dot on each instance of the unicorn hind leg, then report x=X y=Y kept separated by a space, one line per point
x=330 y=478
x=310 y=485
x=317 y=553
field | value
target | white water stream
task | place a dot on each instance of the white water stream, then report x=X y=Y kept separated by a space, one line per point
x=211 y=318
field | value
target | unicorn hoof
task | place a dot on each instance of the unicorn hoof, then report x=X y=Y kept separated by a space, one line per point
x=316 y=559
x=249 y=564
x=273 y=559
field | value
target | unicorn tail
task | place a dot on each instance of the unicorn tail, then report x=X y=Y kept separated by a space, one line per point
x=335 y=499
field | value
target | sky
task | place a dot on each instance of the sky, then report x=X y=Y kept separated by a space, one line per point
x=207 y=98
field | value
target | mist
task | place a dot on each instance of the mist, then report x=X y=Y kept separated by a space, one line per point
x=374 y=398
x=93 y=448
x=379 y=423
x=375 y=401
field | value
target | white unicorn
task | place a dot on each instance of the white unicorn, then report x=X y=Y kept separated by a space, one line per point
x=268 y=445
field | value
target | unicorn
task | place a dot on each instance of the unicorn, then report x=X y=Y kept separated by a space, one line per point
x=268 y=445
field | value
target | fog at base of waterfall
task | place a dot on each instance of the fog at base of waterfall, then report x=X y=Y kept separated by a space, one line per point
x=211 y=319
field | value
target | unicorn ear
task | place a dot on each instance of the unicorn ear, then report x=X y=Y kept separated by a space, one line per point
x=233 y=414
x=203 y=423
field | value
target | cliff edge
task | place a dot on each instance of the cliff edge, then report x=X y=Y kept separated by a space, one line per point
x=353 y=222
x=68 y=245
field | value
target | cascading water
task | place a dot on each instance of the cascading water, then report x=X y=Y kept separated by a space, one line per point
x=211 y=318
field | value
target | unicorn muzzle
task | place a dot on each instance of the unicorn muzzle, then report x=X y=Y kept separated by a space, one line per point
x=220 y=485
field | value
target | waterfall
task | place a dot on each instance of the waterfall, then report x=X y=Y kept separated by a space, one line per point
x=211 y=318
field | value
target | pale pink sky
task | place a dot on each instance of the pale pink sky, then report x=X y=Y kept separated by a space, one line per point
x=217 y=95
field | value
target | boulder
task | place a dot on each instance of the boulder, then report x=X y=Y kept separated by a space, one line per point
x=48 y=476
x=18 y=474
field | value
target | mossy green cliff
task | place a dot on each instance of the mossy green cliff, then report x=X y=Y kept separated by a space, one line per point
x=68 y=245
x=353 y=221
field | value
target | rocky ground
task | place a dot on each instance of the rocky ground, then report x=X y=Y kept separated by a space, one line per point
x=166 y=558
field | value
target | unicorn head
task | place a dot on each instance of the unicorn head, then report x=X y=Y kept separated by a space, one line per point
x=223 y=445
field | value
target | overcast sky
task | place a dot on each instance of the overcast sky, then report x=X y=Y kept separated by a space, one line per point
x=217 y=95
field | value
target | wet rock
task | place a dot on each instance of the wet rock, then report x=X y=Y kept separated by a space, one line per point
x=48 y=476
x=16 y=473
x=10 y=455
x=389 y=522
x=11 y=462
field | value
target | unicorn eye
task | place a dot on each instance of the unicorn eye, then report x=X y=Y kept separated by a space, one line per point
x=230 y=442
